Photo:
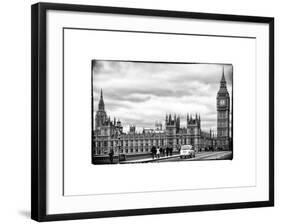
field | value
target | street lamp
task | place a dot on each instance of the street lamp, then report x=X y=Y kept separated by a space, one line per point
x=119 y=144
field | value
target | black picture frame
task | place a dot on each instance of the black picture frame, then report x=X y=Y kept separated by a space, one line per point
x=39 y=108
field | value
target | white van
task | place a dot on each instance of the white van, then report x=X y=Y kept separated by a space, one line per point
x=187 y=151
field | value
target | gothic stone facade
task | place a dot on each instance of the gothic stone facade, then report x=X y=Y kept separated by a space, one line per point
x=108 y=134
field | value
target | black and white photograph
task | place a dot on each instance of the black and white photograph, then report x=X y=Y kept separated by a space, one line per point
x=151 y=112
x=143 y=111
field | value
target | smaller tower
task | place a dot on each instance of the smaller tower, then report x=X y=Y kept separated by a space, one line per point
x=101 y=103
x=193 y=131
x=178 y=124
x=101 y=116
x=171 y=131
x=132 y=129
x=158 y=126
x=119 y=126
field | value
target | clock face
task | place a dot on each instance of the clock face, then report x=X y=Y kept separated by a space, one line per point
x=222 y=102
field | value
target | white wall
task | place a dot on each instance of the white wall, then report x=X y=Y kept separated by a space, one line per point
x=15 y=110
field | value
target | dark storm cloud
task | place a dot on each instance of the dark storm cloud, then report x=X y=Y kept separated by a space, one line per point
x=130 y=97
x=140 y=93
x=113 y=105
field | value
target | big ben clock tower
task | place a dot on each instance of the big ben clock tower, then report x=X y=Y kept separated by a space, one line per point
x=223 y=108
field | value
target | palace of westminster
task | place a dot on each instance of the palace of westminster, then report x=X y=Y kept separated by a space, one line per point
x=108 y=134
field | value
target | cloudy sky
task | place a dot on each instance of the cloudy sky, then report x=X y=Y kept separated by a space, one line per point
x=141 y=93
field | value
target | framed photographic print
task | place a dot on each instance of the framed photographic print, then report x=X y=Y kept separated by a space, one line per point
x=133 y=106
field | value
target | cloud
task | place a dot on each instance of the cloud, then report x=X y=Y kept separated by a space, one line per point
x=140 y=93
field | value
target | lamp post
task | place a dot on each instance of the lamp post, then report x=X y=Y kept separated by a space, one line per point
x=181 y=143
x=212 y=144
x=119 y=144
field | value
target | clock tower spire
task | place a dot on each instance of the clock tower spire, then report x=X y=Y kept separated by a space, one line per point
x=223 y=109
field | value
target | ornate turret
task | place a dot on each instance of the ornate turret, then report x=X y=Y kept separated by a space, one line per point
x=223 y=88
x=193 y=127
x=101 y=117
x=193 y=119
x=223 y=82
x=101 y=103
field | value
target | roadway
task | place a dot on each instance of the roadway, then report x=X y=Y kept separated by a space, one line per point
x=216 y=155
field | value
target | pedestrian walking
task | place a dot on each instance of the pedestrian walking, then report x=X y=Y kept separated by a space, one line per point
x=162 y=151
x=167 y=151
x=111 y=153
x=171 y=151
x=153 y=152
x=158 y=152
